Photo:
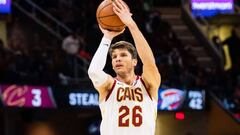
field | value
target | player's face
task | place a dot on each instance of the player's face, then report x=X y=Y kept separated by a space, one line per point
x=122 y=61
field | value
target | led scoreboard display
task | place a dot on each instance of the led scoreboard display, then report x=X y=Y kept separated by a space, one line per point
x=27 y=96
x=76 y=98
x=172 y=99
x=82 y=99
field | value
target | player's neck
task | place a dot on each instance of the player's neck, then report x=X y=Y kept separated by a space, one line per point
x=128 y=78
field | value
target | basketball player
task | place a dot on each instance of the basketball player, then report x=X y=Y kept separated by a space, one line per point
x=128 y=102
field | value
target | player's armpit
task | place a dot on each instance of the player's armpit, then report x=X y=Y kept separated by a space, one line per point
x=152 y=79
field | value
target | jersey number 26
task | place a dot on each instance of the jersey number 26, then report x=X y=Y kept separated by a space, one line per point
x=126 y=115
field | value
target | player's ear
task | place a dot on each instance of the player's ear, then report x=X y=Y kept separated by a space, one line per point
x=135 y=62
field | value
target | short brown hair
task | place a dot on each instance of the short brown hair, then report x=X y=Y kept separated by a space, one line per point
x=124 y=45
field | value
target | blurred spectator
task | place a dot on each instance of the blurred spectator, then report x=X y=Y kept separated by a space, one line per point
x=233 y=43
x=75 y=44
x=71 y=44
x=219 y=45
x=217 y=42
x=73 y=66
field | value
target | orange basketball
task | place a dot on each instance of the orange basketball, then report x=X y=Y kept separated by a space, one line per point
x=107 y=18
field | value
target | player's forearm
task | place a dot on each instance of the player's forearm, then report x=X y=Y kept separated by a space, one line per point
x=100 y=57
x=142 y=46
x=95 y=71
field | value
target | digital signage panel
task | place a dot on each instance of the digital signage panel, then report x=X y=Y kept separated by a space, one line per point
x=27 y=96
x=5 y=6
x=76 y=98
x=211 y=7
x=172 y=99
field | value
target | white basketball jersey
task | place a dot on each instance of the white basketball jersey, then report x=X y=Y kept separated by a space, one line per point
x=128 y=110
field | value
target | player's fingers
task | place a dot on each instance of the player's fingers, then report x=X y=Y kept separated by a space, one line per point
x=118 y=4
x=116 y=10
x=123 y=5
x=115 y=4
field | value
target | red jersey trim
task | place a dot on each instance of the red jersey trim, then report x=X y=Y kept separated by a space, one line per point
x=136 y=81
x=110 y=92
x=145 y=87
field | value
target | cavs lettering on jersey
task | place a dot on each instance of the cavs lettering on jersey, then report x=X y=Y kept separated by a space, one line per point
x=128 y=110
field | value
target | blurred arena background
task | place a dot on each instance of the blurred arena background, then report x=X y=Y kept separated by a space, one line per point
x=46 y=47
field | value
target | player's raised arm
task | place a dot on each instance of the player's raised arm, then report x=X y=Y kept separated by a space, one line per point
x=150 y=74
x=101 y=80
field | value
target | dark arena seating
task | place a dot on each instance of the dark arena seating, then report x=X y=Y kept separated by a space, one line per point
x=46 y=47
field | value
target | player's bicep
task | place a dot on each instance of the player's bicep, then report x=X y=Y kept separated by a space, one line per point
x=100 y=79
x=105 y=88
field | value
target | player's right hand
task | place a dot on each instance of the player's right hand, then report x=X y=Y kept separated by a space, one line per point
x=110 y=34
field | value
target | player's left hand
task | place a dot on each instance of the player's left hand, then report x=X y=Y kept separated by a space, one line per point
x=122 y=10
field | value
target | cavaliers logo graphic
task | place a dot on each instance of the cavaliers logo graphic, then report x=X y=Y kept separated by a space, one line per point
x=13 y=95
x=172 y=99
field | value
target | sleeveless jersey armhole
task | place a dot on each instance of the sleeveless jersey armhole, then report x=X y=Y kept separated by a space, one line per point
x=146 y=88
x=110 y=92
